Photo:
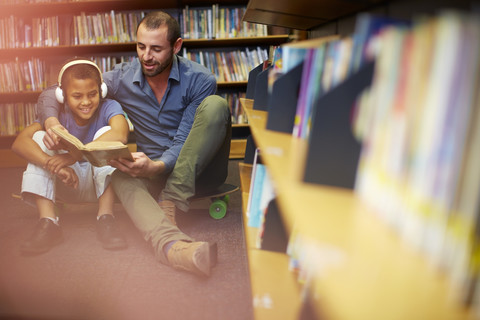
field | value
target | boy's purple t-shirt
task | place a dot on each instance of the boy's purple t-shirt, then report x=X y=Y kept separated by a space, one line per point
x=107 y=109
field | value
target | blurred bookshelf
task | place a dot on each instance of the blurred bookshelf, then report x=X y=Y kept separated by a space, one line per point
x=396 y=239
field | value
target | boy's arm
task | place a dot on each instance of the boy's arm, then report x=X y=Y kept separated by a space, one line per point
x=119 y=130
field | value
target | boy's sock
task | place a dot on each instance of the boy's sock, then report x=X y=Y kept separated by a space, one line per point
x=55 y=220
x=99 y=216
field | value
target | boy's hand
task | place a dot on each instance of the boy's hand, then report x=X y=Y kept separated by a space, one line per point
x=59 y=161
x=68 y=176
x=51 y=140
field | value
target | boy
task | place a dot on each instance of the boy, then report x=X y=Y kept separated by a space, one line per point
x=64 y=175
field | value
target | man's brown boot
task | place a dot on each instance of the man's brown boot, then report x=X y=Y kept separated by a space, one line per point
x=196 y=257
x=169 y=208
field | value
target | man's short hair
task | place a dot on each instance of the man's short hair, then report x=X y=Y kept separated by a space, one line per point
x=156 y=19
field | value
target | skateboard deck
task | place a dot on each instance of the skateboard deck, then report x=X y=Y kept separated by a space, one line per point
x=221 y=191
x=219 y=199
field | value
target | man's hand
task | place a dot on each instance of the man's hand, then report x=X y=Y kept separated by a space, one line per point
x=142 y=166
x=68 y=176
x=55 y=163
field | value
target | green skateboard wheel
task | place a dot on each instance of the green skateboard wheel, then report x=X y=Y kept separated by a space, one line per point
x=226 y=199
x=218 y=209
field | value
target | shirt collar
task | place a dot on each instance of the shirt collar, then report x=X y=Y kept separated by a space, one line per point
x=175 y=72
x=138 y=76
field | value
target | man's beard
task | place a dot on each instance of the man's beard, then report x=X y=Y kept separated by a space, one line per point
x=159 y=68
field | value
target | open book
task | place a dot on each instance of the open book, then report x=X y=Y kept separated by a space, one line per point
x=96 y=152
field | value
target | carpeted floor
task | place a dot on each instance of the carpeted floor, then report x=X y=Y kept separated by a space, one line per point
x=80 y=280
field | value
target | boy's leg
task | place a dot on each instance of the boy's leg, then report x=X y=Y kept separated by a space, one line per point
x=107 y=230
x=47 y=232
x=46 y=208
x=38 y=188
x=105 y=202
x=203 y=160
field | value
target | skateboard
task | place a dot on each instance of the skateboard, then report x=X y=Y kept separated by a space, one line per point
x=219 y=199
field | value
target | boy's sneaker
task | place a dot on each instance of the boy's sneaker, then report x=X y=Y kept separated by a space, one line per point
x=196 y=257
x=169 y=208
x=46 y=235
x=108 y=233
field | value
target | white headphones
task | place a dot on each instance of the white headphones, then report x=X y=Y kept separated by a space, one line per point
x=59 y=91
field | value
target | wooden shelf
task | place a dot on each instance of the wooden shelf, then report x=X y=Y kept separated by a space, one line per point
x=302 y=14
x=8 y=159
x=244 y=41
x=240 y=125
x=375 y=275
x=275 y=291
x=237 y=148
x=23 y=96
x=32 y=96
x=110 y=48
x=81 y=49
x=224 y=84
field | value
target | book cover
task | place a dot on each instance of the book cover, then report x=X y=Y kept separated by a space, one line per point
x=254 y=212
x=302 y=96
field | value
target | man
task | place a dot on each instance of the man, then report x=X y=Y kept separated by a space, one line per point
x=182 y=130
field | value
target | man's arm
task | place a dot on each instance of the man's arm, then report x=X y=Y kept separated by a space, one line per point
x=47 y=105
x=27 y=148
x=48 y=109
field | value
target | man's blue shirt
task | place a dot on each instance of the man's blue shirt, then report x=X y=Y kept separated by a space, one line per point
x=161 y=128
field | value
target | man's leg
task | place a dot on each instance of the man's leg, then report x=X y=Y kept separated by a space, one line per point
x=145 y=212
x=203 y=160
x=171 y=246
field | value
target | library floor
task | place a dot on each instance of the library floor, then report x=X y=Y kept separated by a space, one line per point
x=80 y=280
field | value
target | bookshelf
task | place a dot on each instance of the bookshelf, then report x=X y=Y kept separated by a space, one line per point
x=375 y=275
x=302 y=14
x=54 y=55
x=362 y=264
x=274 y=288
